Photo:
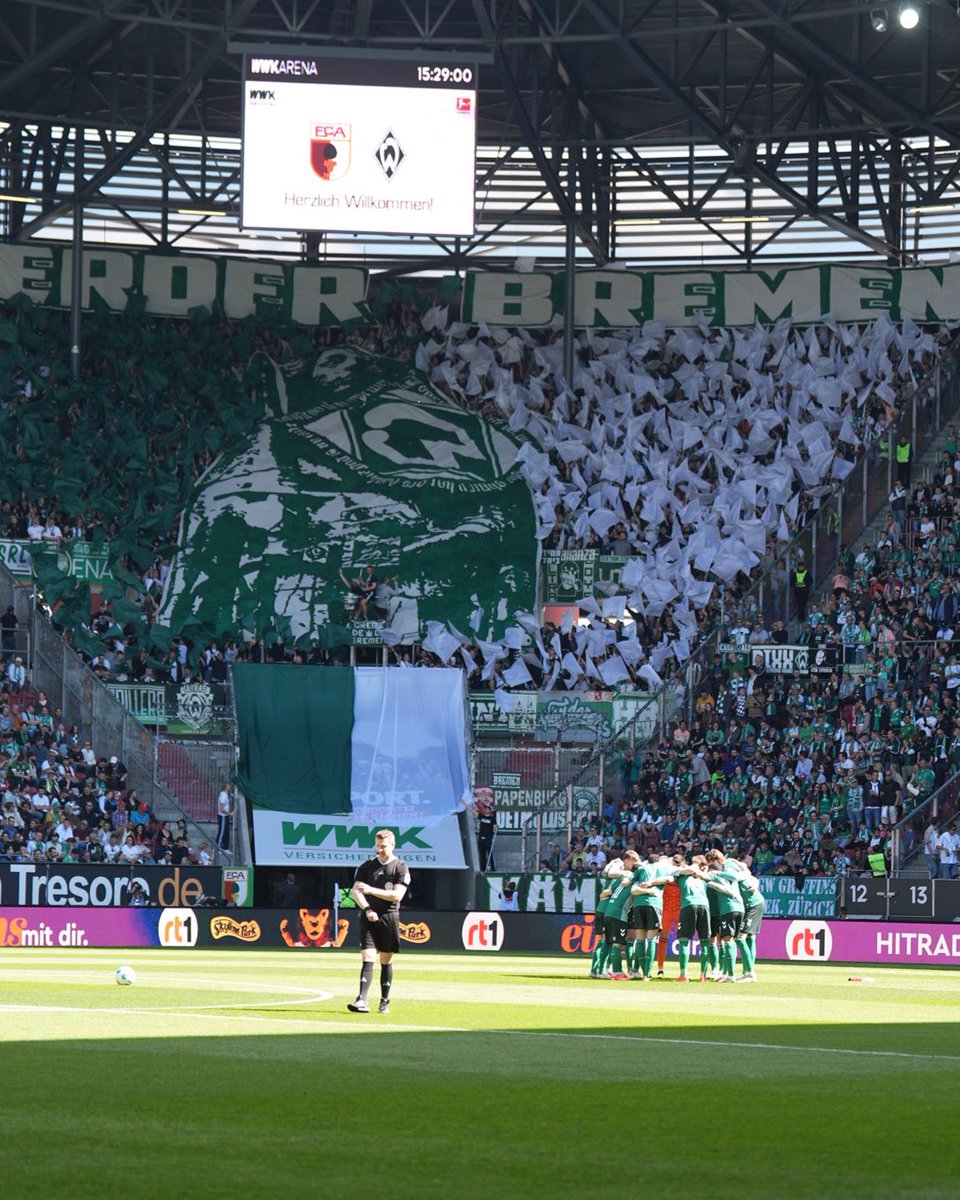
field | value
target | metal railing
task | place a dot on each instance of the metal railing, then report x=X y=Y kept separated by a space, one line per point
x=57 y=670
x=907 y=835
x=561 y=812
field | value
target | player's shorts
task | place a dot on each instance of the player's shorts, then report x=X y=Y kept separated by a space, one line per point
x=729 y=925
x=645 y=918
x=615 y=931
x=382 y=935
x=695 y=922
x=752 y=919
x=671 y=907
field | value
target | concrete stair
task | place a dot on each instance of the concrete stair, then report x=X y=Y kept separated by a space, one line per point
x=184 y=780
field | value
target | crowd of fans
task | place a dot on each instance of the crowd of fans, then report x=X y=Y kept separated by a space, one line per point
x=62 y=802
x=807 y=774
x=694 y=454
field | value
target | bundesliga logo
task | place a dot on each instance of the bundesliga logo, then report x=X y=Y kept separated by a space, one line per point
x=330 y=151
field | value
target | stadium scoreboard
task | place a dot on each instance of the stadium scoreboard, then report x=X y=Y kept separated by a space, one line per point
x=905 y=899
x=363 y=145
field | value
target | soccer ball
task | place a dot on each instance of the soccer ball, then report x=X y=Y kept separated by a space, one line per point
x=125 y=976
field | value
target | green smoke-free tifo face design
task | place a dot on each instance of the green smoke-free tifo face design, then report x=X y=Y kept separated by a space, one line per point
x=358 y=461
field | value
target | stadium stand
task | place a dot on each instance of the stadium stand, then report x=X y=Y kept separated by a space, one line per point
x=697 y=454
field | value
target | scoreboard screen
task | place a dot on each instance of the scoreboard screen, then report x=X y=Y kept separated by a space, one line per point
x=360 y=145
x=904 y=899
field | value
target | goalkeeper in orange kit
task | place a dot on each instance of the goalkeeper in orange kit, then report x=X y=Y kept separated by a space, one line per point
x=671 y=919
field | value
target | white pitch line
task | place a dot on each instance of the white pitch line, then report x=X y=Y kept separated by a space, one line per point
x=199 y=982
x=620 y=1037
x=179 y=1010
x=192 y=1015
x=384 y=1027
x=316 y=1025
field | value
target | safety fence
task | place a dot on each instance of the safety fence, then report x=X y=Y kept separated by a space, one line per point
x=57 y=670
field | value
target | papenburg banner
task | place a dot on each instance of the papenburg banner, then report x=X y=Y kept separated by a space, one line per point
x=359 y=462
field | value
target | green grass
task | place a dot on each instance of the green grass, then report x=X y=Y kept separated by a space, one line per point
x=242 y=1074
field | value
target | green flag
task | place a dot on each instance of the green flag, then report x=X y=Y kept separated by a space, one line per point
x=295 y=749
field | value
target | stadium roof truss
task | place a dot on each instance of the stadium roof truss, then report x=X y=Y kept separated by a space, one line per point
x=661 y=132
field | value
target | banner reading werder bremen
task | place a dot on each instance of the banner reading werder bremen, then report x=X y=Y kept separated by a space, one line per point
x=358 y=462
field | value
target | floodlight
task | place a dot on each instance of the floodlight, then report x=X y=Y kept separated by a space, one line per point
x=878 y=19
x=909 y=16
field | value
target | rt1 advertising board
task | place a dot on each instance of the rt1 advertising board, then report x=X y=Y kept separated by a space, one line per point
x=365 y=145
x=485 y=934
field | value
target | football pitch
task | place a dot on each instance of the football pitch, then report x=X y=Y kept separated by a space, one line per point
x=242 y=1073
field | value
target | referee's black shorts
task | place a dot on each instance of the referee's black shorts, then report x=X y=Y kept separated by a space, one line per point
x=382 y=935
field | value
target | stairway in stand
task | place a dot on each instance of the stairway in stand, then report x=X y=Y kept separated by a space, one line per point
x=184 y=780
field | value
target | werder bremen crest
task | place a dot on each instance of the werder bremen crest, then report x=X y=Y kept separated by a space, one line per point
x=359 y=462
x=195 y=705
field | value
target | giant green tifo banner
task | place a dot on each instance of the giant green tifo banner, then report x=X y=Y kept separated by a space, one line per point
x=358 y=462
x=329 y=755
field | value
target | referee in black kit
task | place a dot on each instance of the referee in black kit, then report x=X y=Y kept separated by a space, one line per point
x=378 y=887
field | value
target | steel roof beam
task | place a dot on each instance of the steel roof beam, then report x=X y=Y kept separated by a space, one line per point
x=166 y=116
x=723 y=139
x=54 y=50
x=824 y=53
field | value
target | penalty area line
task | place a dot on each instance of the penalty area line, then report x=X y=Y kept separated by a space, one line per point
x=621 y=1037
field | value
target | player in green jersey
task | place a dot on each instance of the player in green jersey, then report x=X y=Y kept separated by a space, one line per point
x=694 y=912
x=601 y=952
x=729 y=916
x=615 y=920
x=713 y=946
x=646 y=914
x=753 y=903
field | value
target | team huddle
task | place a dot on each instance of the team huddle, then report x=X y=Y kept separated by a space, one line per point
x=717 y=901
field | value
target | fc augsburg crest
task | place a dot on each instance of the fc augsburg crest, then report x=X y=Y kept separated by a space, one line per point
x=330 y=150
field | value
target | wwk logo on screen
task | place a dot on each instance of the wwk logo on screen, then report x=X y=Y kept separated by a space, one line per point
x=482 y=931
x=809 y=941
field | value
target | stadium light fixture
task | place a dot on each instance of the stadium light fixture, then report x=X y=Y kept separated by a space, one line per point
x=13 y=199
x=201 y=212
x=637 y=221
x=743 y=220
x=909 y=16
x=879 y=20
